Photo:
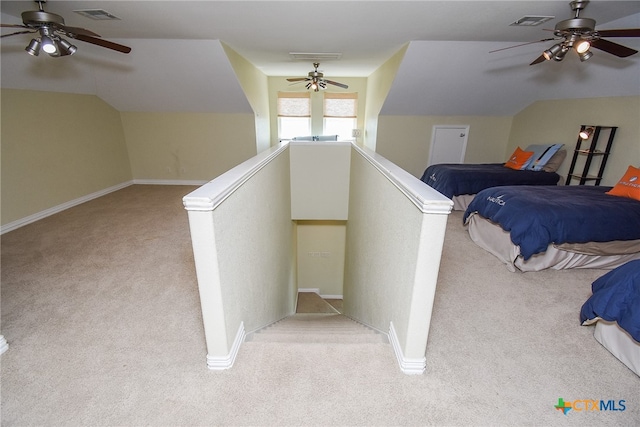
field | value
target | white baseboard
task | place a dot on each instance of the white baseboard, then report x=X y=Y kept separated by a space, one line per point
x=317 y=291
x=407 y=365
x=168 y=182
x=4 y=346
x=331 y=296
x=219 y=363
x=64 y=206
x=54 y=210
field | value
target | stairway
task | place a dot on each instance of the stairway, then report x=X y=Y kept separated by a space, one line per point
x=313 y=341
x=318 y=328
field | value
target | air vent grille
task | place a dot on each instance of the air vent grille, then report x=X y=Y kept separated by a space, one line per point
x=97 y=14
x=531 y=21
x=317 y=57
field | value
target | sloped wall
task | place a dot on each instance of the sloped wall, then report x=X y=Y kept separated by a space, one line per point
x=558 y=121
x=57 y=147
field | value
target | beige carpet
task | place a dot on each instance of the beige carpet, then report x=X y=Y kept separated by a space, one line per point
x=101 y=311
x=310 y=302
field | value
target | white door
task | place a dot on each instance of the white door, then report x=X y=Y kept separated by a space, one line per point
x=448 y=144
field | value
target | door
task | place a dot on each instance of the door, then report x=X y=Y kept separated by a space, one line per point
x=448 y=144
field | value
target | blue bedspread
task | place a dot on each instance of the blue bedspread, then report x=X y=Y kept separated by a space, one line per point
x=537 y=216
x=616 y=297
x=457 y=179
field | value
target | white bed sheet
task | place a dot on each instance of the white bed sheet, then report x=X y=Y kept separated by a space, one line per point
x=491 y=237
x=619 y=343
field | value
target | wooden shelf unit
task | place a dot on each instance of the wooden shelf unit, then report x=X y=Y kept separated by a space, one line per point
x=591 y=153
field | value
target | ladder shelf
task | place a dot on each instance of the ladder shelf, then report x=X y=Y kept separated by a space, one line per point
x=591 y=153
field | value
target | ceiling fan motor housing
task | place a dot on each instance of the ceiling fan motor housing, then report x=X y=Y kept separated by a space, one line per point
x=576 y=25
x=39 y=17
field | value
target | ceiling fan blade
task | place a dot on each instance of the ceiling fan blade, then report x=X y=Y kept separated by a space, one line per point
x=101 y=42
x=523 y=44
x=19 y=32
x=630 y=32
x=297 y=79
x=76 y=30
x=613 y=48
x=538 y=60
x=13 y=26
x=342 y=85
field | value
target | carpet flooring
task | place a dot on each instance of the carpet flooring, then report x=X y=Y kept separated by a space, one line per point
x=101 y=311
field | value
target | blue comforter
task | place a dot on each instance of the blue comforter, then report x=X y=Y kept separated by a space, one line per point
x=537 y=216
x=457 y=179
x=616 y=297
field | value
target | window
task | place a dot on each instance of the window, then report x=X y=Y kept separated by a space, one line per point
x=340 y=114
x=294 y=114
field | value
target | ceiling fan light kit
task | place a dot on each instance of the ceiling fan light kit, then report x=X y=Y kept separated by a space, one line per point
x=316 y=81
x=580 y=34
x=51 y=27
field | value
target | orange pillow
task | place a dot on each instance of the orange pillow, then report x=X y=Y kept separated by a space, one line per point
x=629 y=185
x=519 y=159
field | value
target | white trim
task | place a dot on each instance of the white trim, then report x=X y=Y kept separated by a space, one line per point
x=209 y=196
x=64 y=206
x=331 y=296
x=168 y=182
x=427 y=199
x=408 y=366
x=217 y=363
x=314 y=290
x=4 y=346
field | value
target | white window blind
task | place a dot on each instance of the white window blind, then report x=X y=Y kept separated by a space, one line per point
x=341 y=105
x=294 y=104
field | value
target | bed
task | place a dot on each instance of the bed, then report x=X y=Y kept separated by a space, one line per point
x=536 y=165
x=532 y=228
x=614 y=307
x=461 y=182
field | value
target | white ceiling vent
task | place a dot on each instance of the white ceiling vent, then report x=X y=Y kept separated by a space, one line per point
x=317 y=57
x=97 y=14
x=531 y=21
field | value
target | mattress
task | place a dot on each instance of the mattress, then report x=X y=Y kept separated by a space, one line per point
x=491 y=237
x=619 y=343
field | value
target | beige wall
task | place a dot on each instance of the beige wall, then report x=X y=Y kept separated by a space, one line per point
x=320 y=180
x=406 y=140
x=558 y=121
x=392 y=255
x=236 y=222
x=255 y=86
x=378 y=85
x=320 y=254
x=81 y=145
x=187 y=146
x=57 y=147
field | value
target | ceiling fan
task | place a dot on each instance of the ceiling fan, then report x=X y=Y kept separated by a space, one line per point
x=580 y=35
x=316 y=81
x=50 y=27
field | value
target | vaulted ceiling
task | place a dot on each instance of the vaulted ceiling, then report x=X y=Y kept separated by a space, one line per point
x=177 y=62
